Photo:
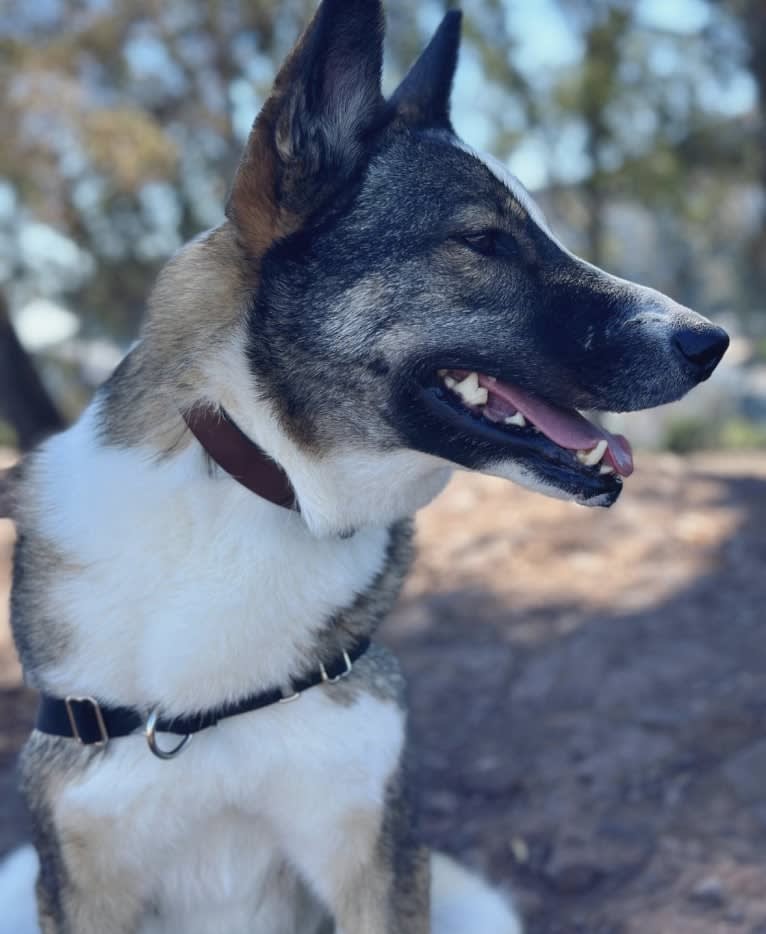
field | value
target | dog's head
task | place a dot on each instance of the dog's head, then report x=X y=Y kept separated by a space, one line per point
x=414 y=310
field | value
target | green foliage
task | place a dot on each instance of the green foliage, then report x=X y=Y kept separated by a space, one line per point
x=759 y=350
x=696 y=433
x=7 y=435
x=690 y=433
x=742 y=433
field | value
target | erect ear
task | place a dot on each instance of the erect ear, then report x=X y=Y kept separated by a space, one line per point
x=309 y=137
x=423 y=97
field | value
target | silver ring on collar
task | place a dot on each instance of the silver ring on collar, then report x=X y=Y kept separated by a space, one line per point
x=151 y=738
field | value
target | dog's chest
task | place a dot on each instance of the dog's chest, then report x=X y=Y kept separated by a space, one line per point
x=227 y=876
x=187 y=591
x=221 y=831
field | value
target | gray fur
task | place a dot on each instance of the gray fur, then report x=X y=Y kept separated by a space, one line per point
x=41 y=637
x=47 y=763
x=196 y=305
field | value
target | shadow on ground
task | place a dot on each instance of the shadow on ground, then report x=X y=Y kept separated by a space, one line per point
x=614 y=767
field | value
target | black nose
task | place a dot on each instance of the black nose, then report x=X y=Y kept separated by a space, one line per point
x=703 y=347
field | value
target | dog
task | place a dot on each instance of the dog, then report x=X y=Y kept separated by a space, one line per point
x=203 y=557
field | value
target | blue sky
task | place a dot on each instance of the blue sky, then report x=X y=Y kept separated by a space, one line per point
x=546 y=43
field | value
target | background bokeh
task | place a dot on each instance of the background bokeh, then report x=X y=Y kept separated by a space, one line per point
x=639 y=123
x=587 y=687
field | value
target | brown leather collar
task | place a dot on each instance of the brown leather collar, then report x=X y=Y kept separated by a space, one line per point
x=243 y=459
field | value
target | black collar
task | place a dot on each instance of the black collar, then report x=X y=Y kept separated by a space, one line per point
x=93 y=724
x=234 y=452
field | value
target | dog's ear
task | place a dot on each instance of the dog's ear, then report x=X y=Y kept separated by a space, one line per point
x=423 y=97
x=309 y=138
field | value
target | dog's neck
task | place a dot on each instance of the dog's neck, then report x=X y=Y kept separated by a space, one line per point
x=167 y=584
x=340 y=491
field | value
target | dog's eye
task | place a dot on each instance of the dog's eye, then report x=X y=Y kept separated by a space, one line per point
x=484 y=242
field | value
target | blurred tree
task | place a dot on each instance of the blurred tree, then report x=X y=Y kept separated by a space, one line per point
x=123 y=123
x=593 y=93
x=24 y=403
x=752 y=14
x=642 y=99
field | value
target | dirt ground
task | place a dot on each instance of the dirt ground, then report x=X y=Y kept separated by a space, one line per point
x=589 y=697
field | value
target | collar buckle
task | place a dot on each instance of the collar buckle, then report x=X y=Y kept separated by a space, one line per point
x=70 y=701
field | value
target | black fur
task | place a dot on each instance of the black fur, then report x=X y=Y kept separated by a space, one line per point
x=356 y=312
x=423 y=97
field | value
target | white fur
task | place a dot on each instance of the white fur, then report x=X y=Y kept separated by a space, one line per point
x=461 y=902
x=190 y=590
x=523 y=476
x=503 y=174
x=204 y=834
x=18 y=911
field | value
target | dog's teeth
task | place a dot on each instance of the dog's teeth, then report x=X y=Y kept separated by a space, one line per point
x=442 y=373
x=470 y=391
x=598 y=452
x=606 y=468
x=517 y=419
x=592 y=457
x=450 y=382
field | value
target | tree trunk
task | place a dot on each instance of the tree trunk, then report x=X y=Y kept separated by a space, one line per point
x=24 y=401
x=755 y=28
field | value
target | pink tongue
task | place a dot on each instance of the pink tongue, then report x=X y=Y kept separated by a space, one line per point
x=565 y=427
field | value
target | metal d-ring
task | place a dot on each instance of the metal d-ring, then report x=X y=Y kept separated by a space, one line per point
x=346 y=671
x=151 y=738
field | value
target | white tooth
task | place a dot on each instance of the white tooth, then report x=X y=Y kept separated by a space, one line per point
x=468 y=384
x=470 y=390
x=592 y=457
x=606 y=468
x=517 y=419
x=450 y=382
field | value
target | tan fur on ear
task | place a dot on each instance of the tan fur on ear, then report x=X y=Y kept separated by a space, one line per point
x=253 y=206
x=307 y=140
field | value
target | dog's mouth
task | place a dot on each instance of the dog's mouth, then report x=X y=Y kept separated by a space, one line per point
x=560 y=446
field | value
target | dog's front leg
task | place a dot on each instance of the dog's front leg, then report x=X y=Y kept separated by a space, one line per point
x=372 y=876
x=363 y=860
